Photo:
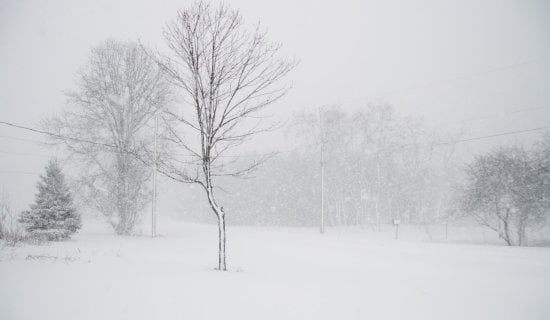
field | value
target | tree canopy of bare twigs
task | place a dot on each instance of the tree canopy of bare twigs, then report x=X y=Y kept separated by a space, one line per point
x=118 y=93
x=506 y=192
x=225 y=74
x=378 y=166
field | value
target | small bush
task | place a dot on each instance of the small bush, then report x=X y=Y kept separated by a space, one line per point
x=49 y=235
x=10 y=230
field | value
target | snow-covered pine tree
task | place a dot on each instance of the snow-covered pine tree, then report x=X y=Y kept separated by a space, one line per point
x=53 y=215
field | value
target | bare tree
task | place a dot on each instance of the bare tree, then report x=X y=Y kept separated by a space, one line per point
x=542 y=156
x=106 y=126
x=226 y=74
x=10 y=230
x=505 y=192
x=376 y=170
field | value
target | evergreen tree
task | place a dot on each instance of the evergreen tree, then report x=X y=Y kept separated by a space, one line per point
x=53 y=215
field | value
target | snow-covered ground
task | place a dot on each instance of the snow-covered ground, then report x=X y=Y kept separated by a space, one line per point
x=276 y=273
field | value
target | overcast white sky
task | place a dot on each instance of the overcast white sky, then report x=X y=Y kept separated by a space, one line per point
x=445 y=61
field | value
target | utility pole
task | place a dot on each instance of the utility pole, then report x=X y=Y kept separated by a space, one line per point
x=154 y=200
x=322 y=228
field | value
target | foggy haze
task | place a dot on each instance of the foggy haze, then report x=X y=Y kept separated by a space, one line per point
x=389 y=160
x=446 y=62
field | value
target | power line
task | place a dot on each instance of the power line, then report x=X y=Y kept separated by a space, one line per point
x=55 y=135
x=500 y=114
x=25 y=154
x=452 y=79
x=491 y=136
x=277 y=152
x=469 y=75
x=20 y=139
x=19 y=172
x=440 y=144
x=401 y=147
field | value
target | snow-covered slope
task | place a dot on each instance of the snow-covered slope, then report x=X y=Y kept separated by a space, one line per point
x=276 y=273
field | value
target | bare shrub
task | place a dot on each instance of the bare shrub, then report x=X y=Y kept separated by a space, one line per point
x=10 y=230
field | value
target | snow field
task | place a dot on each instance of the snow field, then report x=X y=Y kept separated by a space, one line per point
x=275 y=273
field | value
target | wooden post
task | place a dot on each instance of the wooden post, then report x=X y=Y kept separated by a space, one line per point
x=322 y=226
x=396 y=224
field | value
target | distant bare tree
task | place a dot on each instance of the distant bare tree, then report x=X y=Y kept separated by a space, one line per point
x=226 y=74
x=543 y=161
x=5 y=214
x=505 y=192
x=542 y=156
x=10 y=230
x=119 y=92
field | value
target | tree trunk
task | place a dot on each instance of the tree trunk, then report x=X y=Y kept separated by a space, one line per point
x=521 y=232
x=220 y=214
x=221 y=242
x=507 y=236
